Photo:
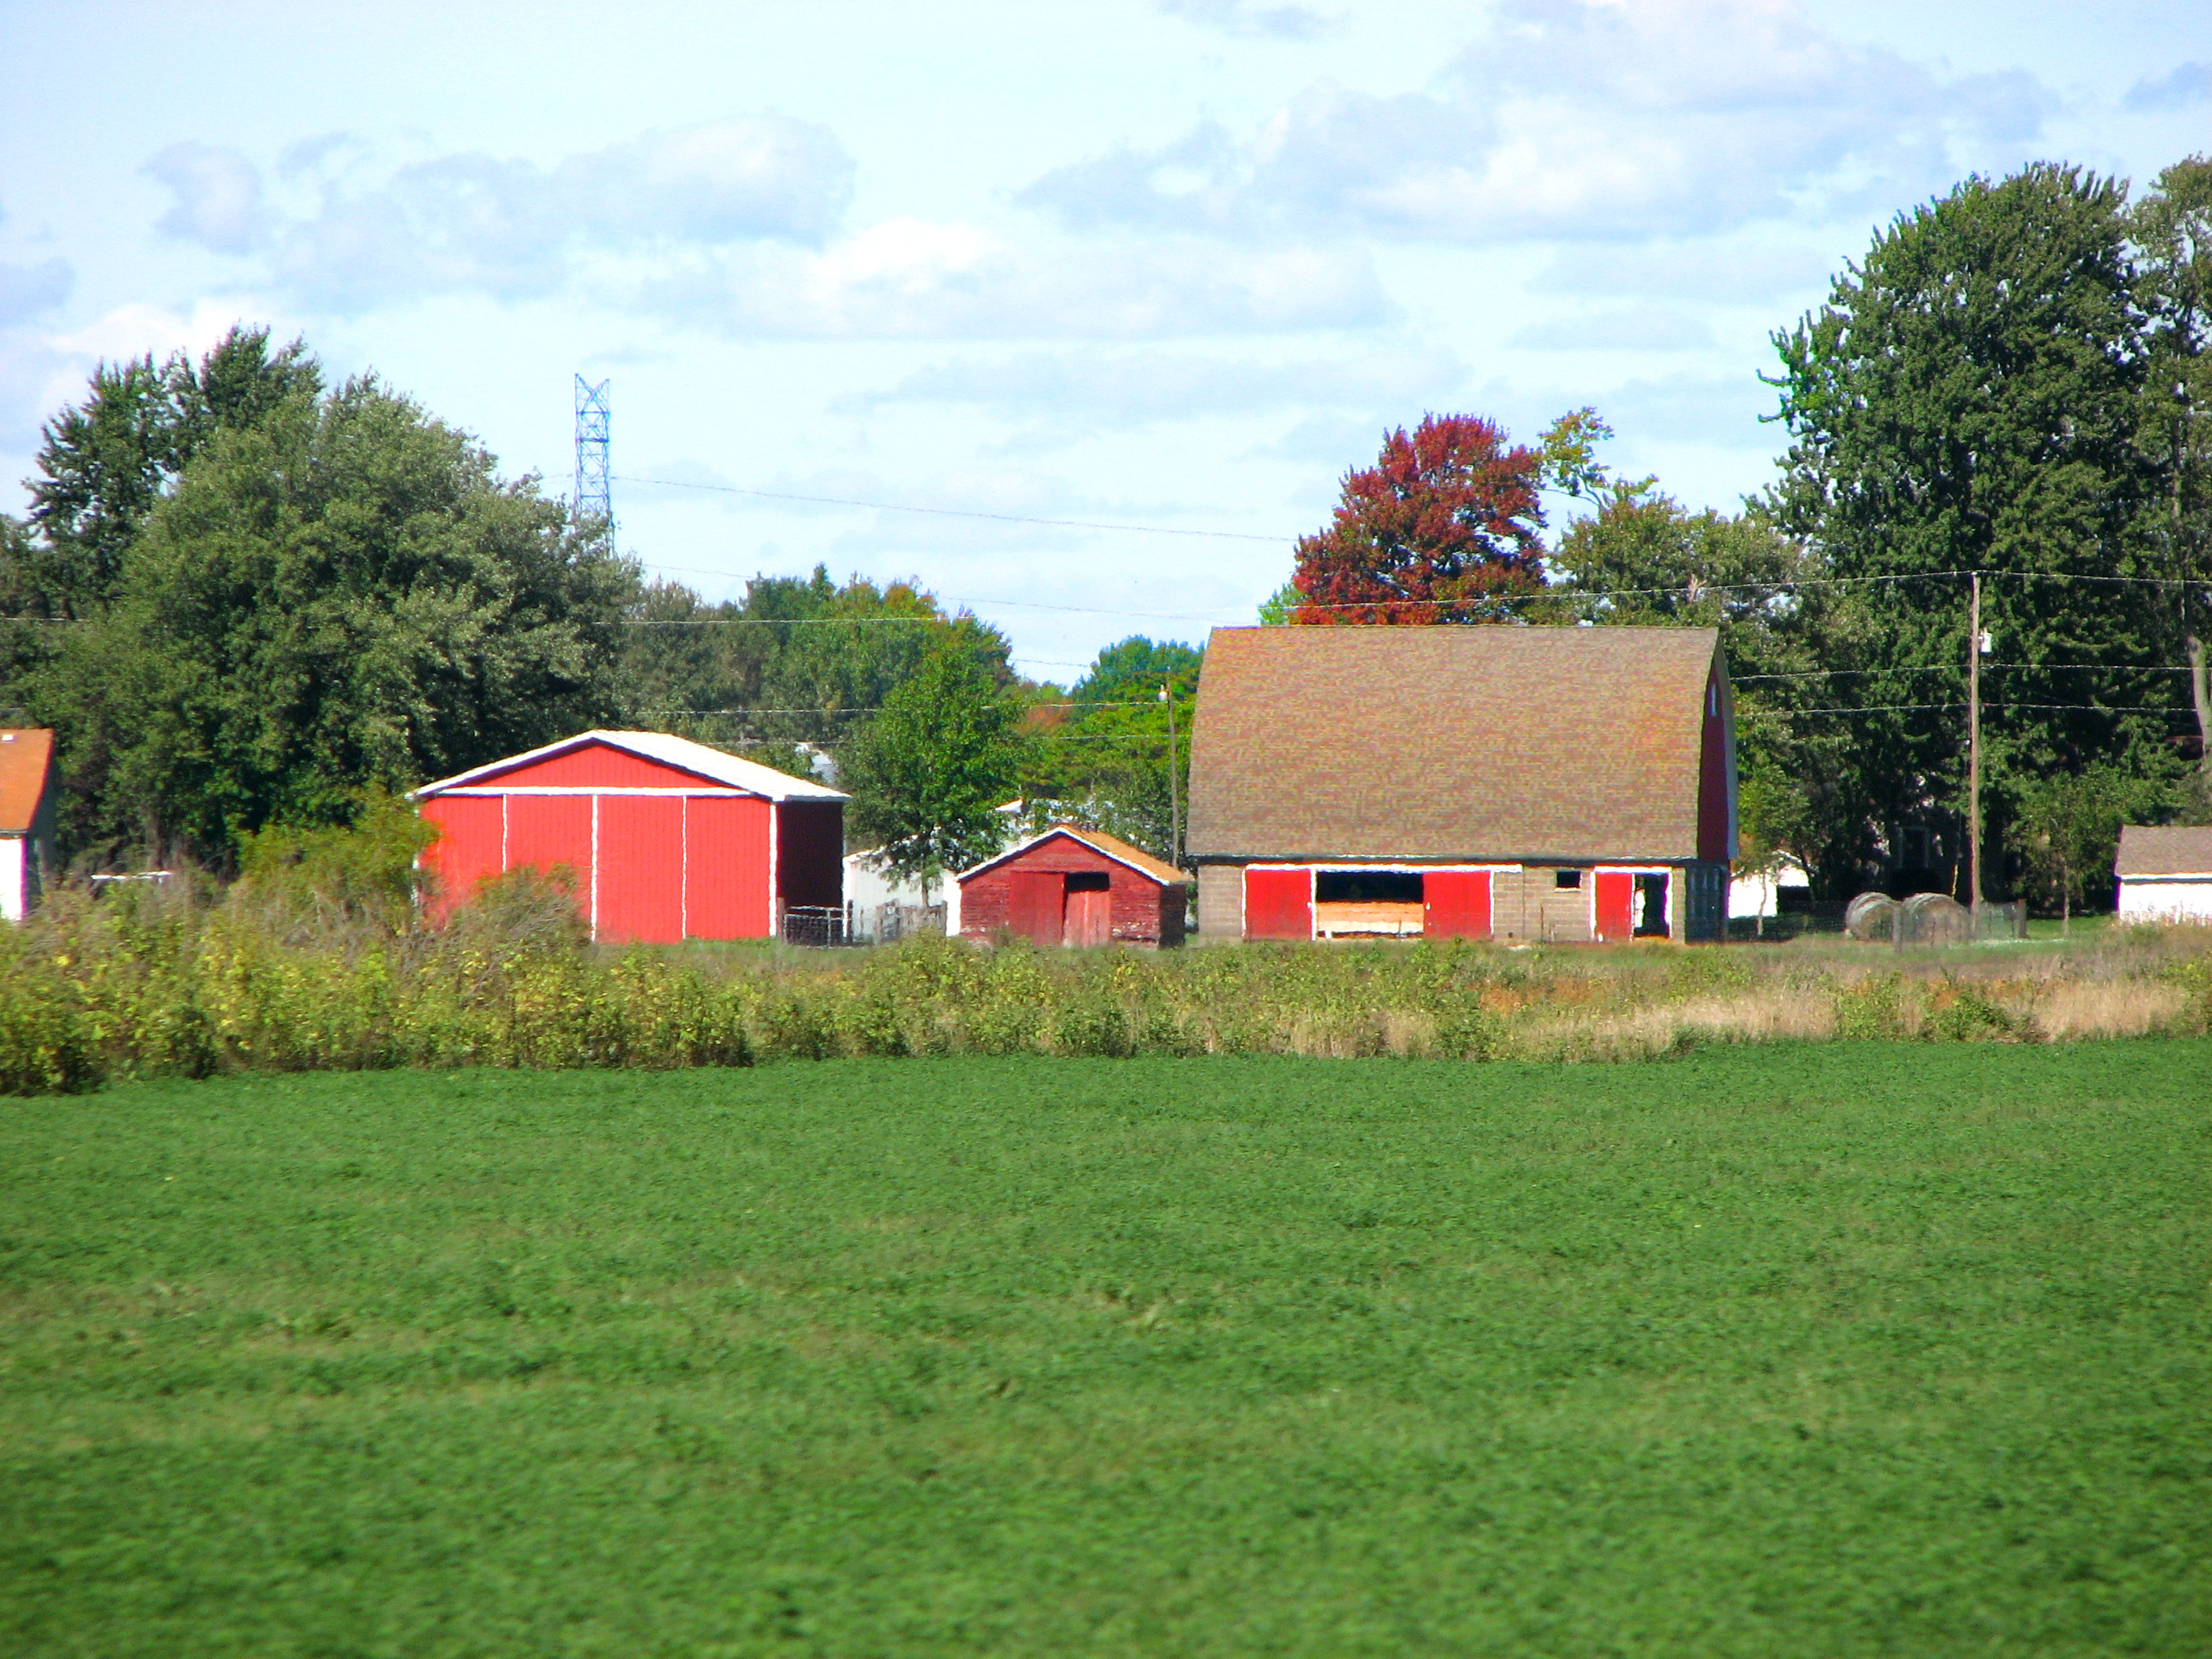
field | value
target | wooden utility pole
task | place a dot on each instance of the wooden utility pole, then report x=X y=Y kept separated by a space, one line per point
x=1974 y=758
x=1174 y=782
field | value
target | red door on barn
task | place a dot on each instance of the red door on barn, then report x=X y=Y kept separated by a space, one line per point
x=1616 y=904
x=1456 y=903
x=1277 y=903
x=640 y=897
x=552 y=835
x=1090 y=908
x=471 y=848
x=1034 y=903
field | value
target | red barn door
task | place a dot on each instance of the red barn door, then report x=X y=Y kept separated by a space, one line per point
x=642 y=869
x=1616 y=904
x=470 y=845
x=550 y=833
x=1034 y=903
x=1277 y=903
x=1090 y=908
x=725 y=880
x=1456 y=903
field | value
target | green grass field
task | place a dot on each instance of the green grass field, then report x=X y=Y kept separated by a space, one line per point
x=1856 y=1348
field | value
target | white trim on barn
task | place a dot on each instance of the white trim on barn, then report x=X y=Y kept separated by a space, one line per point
x=748 y=777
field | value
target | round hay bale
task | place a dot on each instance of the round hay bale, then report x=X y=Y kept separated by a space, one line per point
x=1936 y=919
x=1871 y=915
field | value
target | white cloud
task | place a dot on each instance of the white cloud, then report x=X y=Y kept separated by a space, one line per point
x=1244 y=17
x=41 y=372
x=218 y=197
x=476 y=222
x=914 y=279
x=1577 y=118
x=135 y=330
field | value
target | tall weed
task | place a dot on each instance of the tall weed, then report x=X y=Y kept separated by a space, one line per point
x=312 y=961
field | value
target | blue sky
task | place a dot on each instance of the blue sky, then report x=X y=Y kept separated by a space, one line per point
x=1176 y=263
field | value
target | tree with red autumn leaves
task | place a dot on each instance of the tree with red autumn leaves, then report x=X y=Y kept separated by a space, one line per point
x=1442 y=528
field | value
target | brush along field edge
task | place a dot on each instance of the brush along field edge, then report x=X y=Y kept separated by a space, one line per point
x=105 y=992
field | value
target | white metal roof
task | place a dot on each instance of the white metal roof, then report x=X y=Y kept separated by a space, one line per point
x=663 y=747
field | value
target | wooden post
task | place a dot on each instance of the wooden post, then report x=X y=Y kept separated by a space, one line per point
x=1974 y=761
x=1174 y=782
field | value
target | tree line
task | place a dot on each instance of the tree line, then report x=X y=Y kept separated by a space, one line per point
x=248 y=600
x=2011 y=382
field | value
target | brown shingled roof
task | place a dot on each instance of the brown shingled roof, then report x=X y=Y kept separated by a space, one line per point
x=2168 y=850
x=1449 y=742
x=25 y=755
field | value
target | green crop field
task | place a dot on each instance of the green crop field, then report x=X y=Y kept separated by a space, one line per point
x=1851 y=1348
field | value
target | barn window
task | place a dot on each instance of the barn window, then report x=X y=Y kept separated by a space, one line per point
x=1566 y=879
x=1367 y=887
x=1088 y=881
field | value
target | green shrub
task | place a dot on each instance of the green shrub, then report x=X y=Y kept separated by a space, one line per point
x=1872 y=1007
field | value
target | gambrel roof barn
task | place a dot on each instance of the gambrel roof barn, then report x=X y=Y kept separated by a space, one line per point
x=1524 y=782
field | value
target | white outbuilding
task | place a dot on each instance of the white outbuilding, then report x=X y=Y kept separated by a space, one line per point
x=2165 y=873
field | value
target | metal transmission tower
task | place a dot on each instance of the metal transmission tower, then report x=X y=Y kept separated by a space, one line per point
x=591 y=497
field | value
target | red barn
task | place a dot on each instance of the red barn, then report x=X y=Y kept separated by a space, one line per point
x=1071 y=886
x=666 y=839
x=1512 y=783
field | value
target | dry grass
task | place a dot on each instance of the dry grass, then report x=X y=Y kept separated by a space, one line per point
x=2069 y=1011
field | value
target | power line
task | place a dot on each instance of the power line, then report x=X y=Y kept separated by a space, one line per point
x=1903 y=707
x=963 y=512
x=1953 y=668
x=877 y=709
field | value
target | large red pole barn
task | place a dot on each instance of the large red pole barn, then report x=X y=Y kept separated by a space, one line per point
x=665 y=839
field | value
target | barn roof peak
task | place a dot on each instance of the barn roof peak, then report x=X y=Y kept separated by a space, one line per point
x=662 y=747
x=1097 y=841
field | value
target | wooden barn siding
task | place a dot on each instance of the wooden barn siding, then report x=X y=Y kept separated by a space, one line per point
x=809 y=852
x=1712 y=780
x=1138 y=907
x=1525 y=904
x=1220 y=900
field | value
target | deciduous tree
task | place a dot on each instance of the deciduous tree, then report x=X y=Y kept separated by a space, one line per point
x=1970 y=398
x=2172 y=227
x=344 y=594
x=927 y=772
x=1445 y=527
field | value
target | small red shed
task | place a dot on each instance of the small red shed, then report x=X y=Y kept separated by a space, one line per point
x=1073 y=886
x=666 y=839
